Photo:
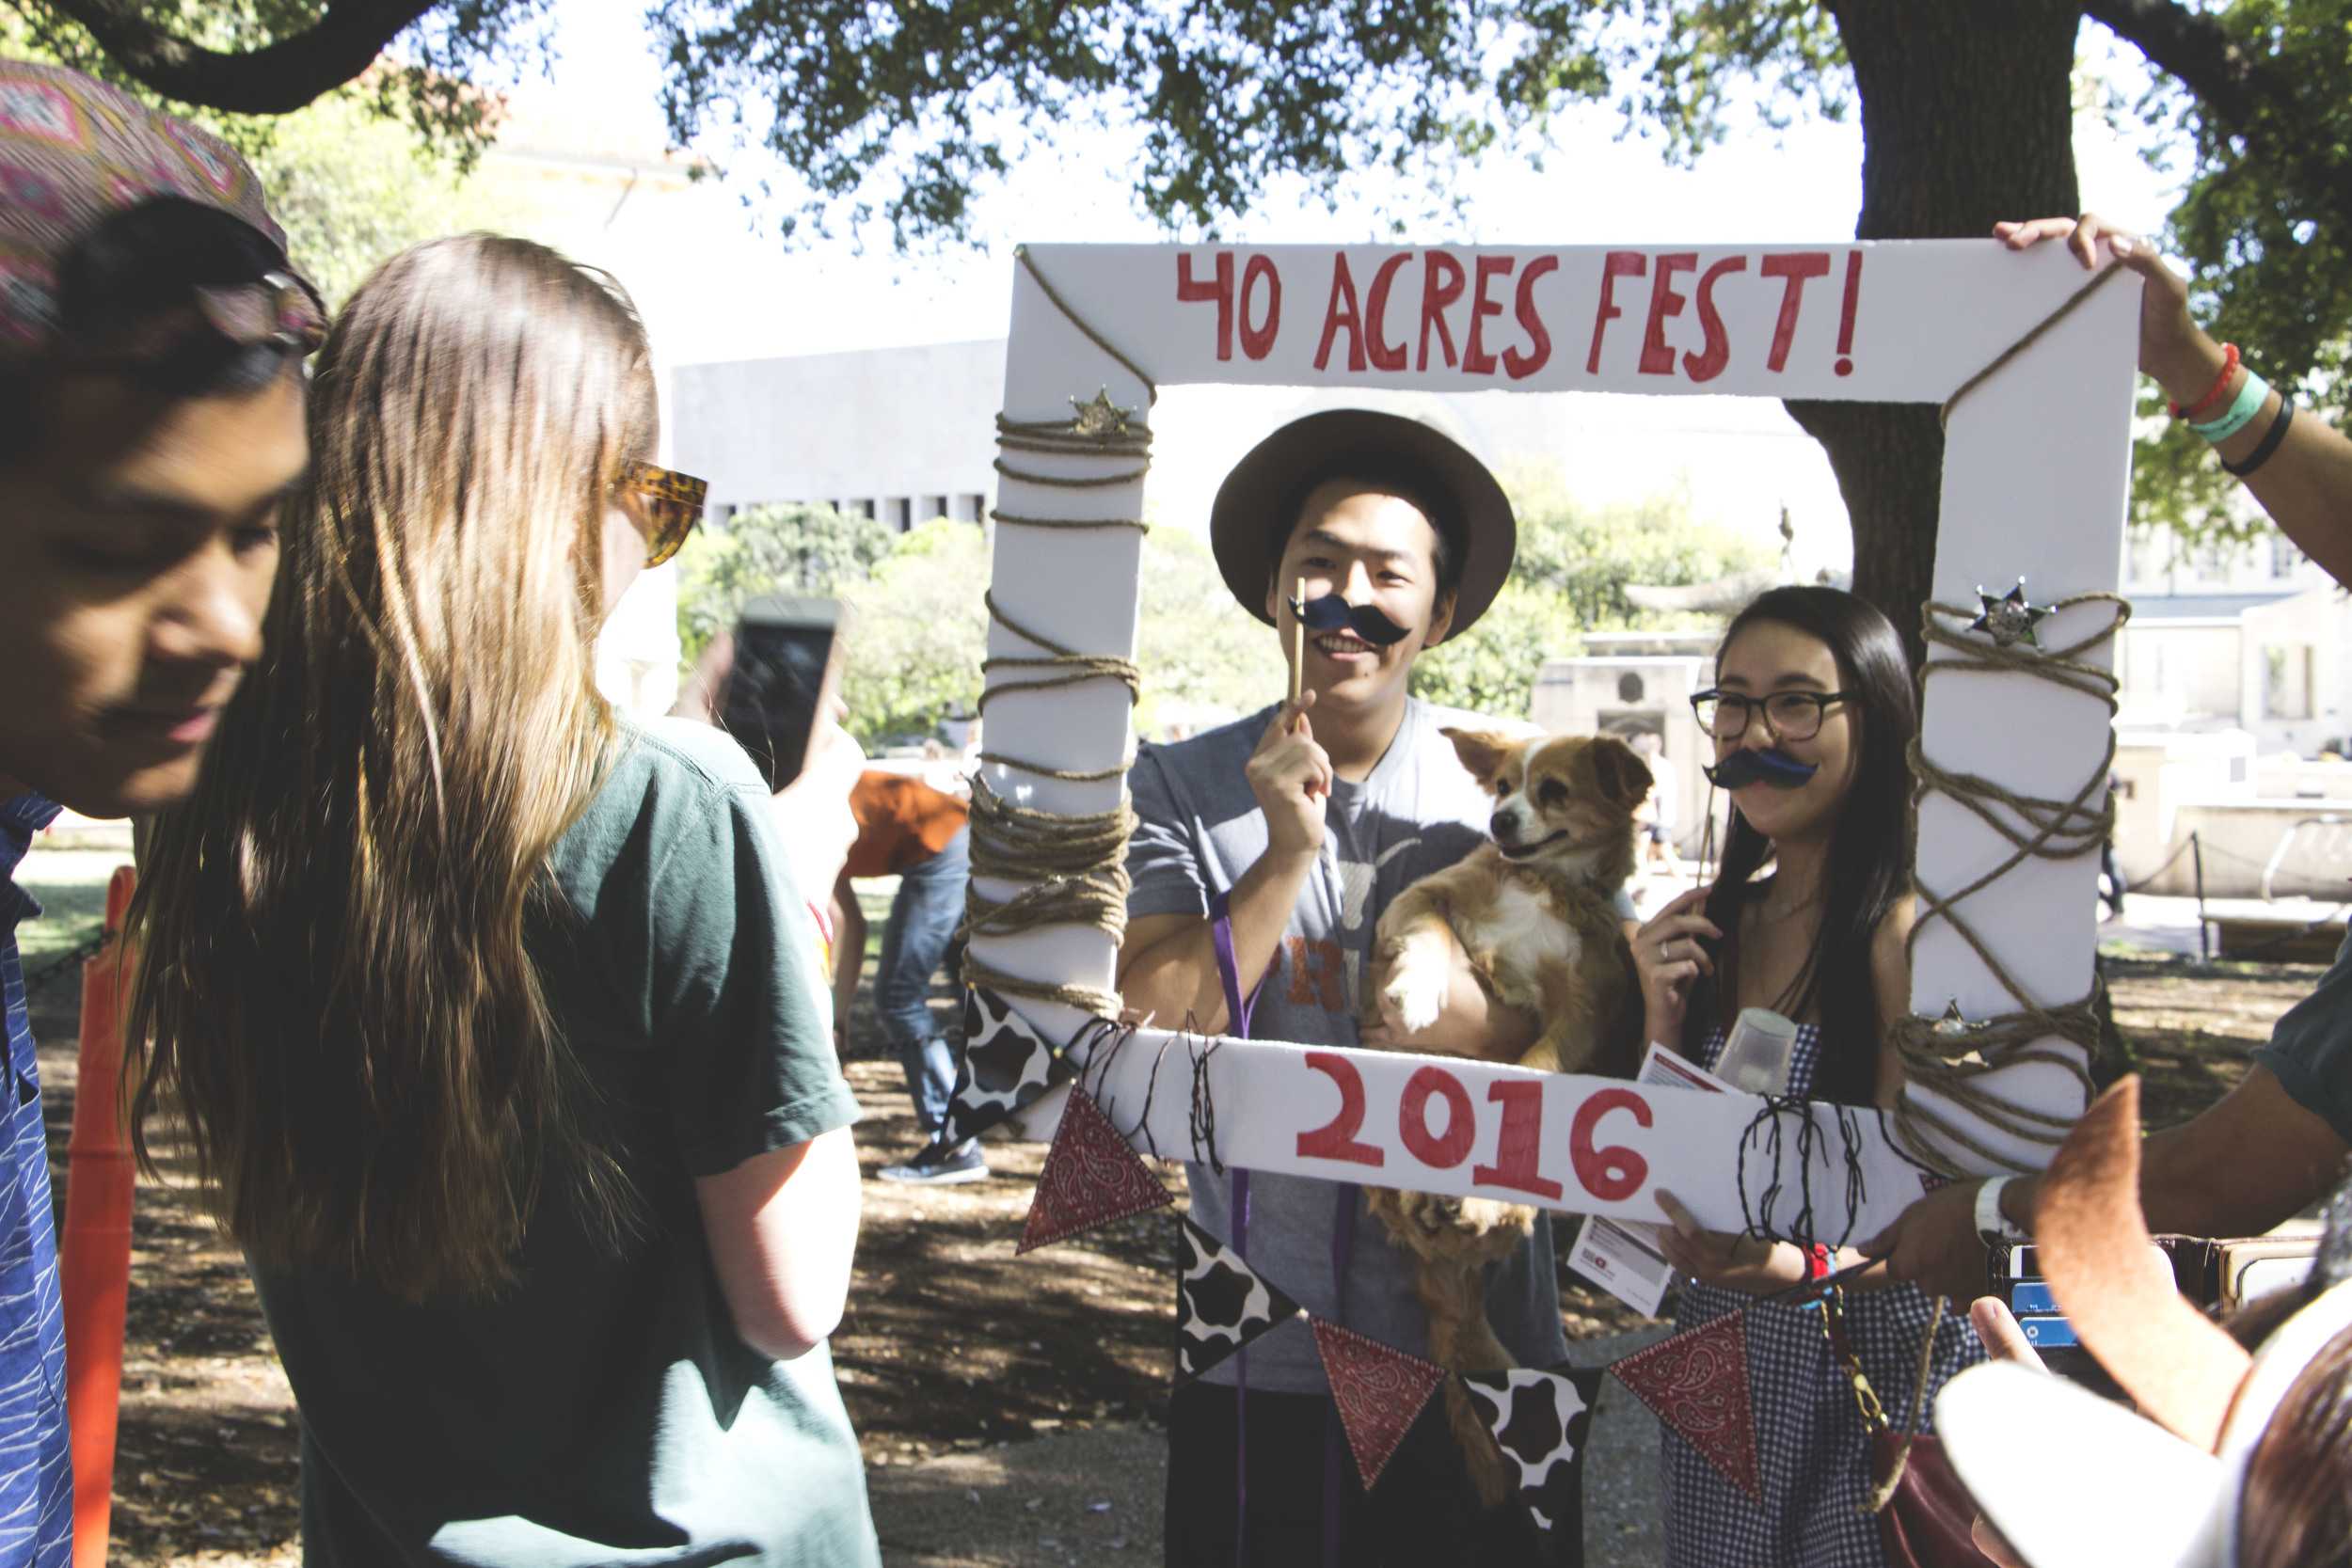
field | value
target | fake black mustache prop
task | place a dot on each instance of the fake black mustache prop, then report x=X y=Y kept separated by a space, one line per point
x=1776 y=769
x=1334 y=613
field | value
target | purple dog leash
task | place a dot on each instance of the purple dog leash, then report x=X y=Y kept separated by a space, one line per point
x=1237 y=1010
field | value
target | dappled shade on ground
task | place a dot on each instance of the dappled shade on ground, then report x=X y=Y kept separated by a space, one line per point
x=951 y=1346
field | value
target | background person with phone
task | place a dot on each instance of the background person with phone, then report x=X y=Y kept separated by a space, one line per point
x=919 y=835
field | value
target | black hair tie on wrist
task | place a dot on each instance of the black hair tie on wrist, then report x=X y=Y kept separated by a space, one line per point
x=2271 y=437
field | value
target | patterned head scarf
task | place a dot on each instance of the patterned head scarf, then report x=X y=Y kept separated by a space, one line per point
x=72 y=151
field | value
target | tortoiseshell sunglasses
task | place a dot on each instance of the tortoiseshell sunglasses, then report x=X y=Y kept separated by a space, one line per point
x=674 y=503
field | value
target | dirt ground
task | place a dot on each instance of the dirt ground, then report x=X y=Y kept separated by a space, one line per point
x=998 y=1399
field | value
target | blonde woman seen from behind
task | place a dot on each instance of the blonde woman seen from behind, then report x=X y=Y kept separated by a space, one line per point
x=494 y=1018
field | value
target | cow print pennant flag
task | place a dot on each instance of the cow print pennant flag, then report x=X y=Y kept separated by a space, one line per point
x=1222 y=1304
x=1091 y=1177
x=1697 y=1382
x=1006 y=1066
x=1379 y=1390
x=1540 y=1421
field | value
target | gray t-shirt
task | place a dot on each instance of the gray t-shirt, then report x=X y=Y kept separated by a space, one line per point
x=2310 y=1047
x=1198 y=830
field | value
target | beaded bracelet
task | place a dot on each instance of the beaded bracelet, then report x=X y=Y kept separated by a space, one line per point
x=2249 y=401
x=2213 y=393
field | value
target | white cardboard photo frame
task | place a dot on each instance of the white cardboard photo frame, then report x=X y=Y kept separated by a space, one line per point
x=2035 y=476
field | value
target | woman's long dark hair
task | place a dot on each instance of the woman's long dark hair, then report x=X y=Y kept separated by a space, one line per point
x=1870 y=855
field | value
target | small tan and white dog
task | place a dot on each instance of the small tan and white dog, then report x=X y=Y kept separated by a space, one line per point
x=1536 y=912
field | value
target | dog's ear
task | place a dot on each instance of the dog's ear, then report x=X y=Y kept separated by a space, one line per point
x=1623 y=777
x=1481 y=752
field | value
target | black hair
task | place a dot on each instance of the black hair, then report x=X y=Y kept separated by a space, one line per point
x=1377 y=471
x=1869 y=869
x=137 y=263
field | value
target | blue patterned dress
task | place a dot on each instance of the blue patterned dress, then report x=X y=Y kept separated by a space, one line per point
x=36 y=1476
x=1813 y=1452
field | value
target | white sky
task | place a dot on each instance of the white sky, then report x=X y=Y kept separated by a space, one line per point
x=717 y=287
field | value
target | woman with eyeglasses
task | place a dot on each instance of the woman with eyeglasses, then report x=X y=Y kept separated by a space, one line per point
x=1812 y=715
x=495 y=1020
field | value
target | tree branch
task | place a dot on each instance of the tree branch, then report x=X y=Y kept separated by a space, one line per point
x=275 y=79
x=2193 y=48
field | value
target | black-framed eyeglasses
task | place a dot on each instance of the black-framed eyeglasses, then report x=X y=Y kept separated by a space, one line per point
x=1789 y=715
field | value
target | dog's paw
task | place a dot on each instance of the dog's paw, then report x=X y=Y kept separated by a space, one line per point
x=1413 y=999
x=1417 y=983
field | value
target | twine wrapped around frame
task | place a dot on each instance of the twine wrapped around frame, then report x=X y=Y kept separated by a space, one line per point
x=1948 y=1055
x=1075 y=524
x=1074 y=864
x=1028 y=264
x=1076 y=668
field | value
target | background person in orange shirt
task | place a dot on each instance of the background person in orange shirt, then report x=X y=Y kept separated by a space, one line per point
x=908 y=829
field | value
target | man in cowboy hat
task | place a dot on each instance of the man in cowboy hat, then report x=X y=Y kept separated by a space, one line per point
x=1279 y=838
x=150 y=417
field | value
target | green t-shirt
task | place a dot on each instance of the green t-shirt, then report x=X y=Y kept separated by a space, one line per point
x=2311 y=1048
x=604 y=1410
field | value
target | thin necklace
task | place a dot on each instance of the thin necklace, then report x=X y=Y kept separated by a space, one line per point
x=1770 y=913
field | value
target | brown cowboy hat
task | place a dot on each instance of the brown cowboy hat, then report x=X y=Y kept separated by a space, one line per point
x=1259 y=500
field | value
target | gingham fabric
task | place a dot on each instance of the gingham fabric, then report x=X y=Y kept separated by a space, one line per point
x=1812 y=1448
x=72 y=150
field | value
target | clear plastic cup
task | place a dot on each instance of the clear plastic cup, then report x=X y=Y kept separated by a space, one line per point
x=1756 y=1059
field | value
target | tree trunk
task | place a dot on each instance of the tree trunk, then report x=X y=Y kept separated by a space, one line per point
x=1967 y=118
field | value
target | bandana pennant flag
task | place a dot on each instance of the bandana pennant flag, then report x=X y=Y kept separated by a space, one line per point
x=1540 y=1421
x=1091 y=1177
x=1222 y=1304
x=1006 y=1065
x=1379 y=1390
x=1697 y=1383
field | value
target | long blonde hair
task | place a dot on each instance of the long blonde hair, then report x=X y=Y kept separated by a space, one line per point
x=338 y=993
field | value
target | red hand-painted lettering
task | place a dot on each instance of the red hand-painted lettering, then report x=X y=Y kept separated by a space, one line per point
x=1615 y=1174
x=1476 y=358
x=1658 y=358
x=1797 y=267
x=1192 y=291
x=1336 y=1139
x=1436 y=292
x=1384 y=355
x=1258 y=342
x=1710 y=362
x=1616 y=264
x=1442 y=1150
x=1520 y=364
x=1341 y=313
x=1519 y=1146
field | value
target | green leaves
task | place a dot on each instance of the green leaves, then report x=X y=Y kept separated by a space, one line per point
x=787 y=548
x=2265 y=225
x=921 y=630
x=899 y=113
x=1574 y=564
x=440 y=78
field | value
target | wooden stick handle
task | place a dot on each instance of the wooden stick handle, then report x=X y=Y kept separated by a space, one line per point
x=1298 y=642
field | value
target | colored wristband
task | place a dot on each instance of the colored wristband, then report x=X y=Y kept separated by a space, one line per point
x=1817 y=1268
x=2203 y=405
x=2271 y=437
x=2249 y=401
